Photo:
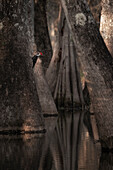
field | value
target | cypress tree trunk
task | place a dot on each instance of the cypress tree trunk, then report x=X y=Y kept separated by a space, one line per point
x=97 y=65
x=68 y=90
x=63 y=72
x=106 y=24
x=54 y=20
x=19 y=104
x=45 y=97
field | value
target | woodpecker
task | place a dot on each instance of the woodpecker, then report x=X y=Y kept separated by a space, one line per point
x=35 y=57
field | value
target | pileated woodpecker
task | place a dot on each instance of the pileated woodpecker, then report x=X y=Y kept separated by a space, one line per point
x=35 y=57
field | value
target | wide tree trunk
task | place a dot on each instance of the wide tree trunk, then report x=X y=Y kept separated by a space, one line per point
x=41 y=33
x=19 y=105
x=106 y=24
x=97 y=64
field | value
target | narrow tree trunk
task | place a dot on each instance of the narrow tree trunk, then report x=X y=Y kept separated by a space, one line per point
x=97 y=65
x=70 y=90
x=106 y=24
x=19 y=104
x=54 y=14
x=44 y=93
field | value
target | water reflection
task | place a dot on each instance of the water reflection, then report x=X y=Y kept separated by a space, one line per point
x=18 y=153
x=67 y=145
x=106 y=161
x=62 y=143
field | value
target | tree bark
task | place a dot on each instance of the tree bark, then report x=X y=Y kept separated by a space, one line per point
x=59 y=75
x=106 y=24
x=19 y=105
x=68 y=92
x=96 y=62
x=54 y=14
x=45 y=97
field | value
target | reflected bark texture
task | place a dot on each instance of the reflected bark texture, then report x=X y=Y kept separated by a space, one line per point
x=106 y=161
x=68 y=145
x=62 y=144
x=89 y=154
x=20 y=153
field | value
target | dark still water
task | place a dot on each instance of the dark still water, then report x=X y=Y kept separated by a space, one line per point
x=68 y=145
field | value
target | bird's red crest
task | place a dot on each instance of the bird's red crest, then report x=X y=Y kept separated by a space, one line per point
x=41 y=53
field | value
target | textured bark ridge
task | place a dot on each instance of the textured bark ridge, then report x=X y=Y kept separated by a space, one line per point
x=68 y=91
x=54 y=20
x=106 y=24
x=19 y=104
x=63 y=72
x=97 y=64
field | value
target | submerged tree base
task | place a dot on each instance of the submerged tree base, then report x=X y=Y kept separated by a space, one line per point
x=21 y=131
x=67 y=104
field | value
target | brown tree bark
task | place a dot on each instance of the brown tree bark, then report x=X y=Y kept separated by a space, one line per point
x=45 y=97
x=97 y=65
x=68 y=91
x=63 y=74
x=106 y=24
x=19 y=104
x=54 y=20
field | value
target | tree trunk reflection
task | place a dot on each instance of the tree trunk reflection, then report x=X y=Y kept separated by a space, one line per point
x=63 y=143
x=67 y=145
